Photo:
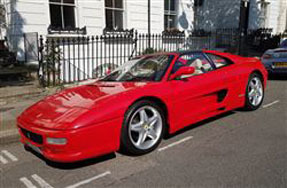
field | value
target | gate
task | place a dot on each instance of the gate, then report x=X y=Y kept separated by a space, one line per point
x=31 y=47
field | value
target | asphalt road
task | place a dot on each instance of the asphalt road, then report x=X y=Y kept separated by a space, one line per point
x=237 y=149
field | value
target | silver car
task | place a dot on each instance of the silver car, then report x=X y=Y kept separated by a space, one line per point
x=275 y=60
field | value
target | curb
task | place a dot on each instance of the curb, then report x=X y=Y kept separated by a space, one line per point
x=9 y=136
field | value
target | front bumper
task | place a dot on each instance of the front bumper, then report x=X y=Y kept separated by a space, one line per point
x=82 y=143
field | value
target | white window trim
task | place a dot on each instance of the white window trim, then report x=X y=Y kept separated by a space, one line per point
x=170 y=13
x=75 y=5
x=116 y=9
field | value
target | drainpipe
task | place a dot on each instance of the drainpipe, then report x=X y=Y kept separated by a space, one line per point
x=149 y=23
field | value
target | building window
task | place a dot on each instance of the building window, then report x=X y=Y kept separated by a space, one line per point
x=114 y=14
x=198 y=3
x=263 y=14
x=62 y=14
x=169 y=14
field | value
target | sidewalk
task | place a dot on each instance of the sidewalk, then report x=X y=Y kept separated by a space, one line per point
x=14 y=100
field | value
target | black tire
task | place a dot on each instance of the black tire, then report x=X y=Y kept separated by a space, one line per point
x=248 y=105
x=126 y=144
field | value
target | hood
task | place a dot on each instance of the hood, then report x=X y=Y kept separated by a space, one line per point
x=88 y=96
x=59 y=111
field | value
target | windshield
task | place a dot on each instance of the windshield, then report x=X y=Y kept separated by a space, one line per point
x=148 y=68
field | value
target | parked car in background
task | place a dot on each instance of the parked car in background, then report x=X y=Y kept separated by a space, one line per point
x=136 y=104
x=275 y=60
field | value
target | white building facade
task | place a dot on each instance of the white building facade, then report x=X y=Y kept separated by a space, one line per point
x=25 y=16
x=268 y=14
x=68 y=18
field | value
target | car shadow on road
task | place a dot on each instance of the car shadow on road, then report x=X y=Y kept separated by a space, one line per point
x=74 y=165
x=201 y=123
x=277 y=77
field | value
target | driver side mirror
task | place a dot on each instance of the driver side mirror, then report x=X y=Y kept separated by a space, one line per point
x=183 y=71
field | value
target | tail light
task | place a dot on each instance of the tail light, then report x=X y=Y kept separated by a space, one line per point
x=266 y=56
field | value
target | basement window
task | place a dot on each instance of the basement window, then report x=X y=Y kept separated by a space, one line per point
x=114 y=14
x=62 y=14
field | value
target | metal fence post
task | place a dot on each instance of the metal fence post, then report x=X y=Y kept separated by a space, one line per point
x=25 y=47
x=41 y=58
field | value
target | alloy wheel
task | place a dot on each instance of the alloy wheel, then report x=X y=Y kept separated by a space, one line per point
x=145 y=127
x=255 y=91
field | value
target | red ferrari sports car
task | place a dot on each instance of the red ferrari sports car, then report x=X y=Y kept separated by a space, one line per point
x=140 y=101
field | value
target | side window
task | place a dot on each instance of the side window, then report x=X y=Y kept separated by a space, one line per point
x=196 y=60
x=219 y=61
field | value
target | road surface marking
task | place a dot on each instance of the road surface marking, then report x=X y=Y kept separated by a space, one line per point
x=27 y=182
x=3 y=160
x=89 y=180
x=270 y=104
x=41 y=182
x=175 y=143
x=9 y=155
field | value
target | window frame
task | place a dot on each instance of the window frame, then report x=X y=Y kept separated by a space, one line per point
x=113 y=9
x=62 y=4
x=170 y=13
x=229 y=62
x=192 y=53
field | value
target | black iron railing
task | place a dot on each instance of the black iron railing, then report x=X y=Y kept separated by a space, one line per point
x=73 y=59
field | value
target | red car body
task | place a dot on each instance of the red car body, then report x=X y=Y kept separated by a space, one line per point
x=90 y=117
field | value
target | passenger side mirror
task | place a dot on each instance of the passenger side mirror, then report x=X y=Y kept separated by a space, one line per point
x=183 y=71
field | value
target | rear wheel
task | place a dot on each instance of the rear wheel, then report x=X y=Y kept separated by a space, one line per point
x=254 y=92
x=143 y=128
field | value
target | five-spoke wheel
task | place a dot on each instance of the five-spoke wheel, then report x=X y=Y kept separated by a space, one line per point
x=254 y=92
x=143 y=127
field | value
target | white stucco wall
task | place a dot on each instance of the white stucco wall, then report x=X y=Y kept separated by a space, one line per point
x=34 y=15
x=282 y=18
x=24 y=16
x=137 y=16
x=185 y=20
x=276 y=15
x=219 y=14
x=90 y=14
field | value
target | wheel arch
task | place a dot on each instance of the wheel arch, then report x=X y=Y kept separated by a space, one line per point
x=257 y=71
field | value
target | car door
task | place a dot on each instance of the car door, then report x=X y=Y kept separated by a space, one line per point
x=199 y=95
x=230 y=80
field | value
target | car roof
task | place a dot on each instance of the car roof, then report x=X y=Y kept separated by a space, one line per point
x=181 y=52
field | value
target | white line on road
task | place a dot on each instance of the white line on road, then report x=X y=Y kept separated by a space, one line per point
x=89 y=180
x=10 y=155
x=41 y=181
x=3 y=160
x=27 y=182
x=175 y=143
x=270 y=104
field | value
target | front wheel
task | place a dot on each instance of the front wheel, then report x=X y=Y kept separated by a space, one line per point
x=143 y=128
x=254 y=92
